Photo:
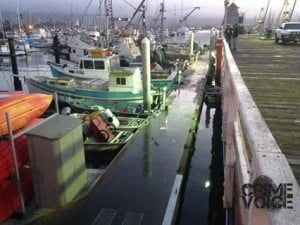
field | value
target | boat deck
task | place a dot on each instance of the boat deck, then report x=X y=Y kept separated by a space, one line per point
x=271 y=72
x=137 y=188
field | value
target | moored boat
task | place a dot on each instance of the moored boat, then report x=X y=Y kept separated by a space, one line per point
x=121 y=92
x=101 y=135
x=22 y=109
x=118 y=123
x=212 y=95
x=98 y=64
x=119 y=140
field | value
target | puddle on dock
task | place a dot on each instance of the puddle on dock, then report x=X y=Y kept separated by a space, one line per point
x=202 y=200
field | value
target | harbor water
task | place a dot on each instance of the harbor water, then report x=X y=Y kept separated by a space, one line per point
x=202 y=200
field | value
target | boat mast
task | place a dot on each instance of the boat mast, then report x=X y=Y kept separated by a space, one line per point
x=162 y=18
x=106 y=24
x=144 y=20
x=2 y=26
x=100 y=14
x=18 y=15
x=30 y=18
x=71 y=22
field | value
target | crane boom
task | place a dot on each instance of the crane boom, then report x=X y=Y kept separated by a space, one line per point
x=188 y=15
x=284 y=13
x=262 y=17
x=266 y=11
x=293 y=10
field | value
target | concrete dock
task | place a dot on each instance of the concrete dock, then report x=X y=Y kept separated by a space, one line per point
x=137 y=188
x=271 y=72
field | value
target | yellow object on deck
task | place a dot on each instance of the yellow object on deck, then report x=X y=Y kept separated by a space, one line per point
x=100 y=52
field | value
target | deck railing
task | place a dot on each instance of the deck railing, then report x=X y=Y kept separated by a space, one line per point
x=251 y=151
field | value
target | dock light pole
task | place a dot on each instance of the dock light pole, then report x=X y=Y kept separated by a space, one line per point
x=146 y=74
x=14 y=65
x=191 y=46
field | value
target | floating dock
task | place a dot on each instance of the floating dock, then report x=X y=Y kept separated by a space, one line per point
x=143 y=183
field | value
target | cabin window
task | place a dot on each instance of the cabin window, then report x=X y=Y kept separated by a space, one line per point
x=81 y=65
x=88 y=64
x=74 y=51
x=62 y=84
x=121 y=81
x=85 y=52
x=99 y=65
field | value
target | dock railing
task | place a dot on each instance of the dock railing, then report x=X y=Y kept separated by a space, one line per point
x=252 y=155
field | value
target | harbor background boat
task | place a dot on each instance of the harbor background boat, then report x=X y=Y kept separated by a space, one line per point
x=35 y=64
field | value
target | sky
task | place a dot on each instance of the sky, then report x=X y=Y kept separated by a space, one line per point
x=209 y=8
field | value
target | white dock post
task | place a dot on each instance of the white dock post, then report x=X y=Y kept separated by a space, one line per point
x=191 y=47
x=164 y=98
x=212 y=43
x=56 y=102
x=146 y=74
x=12 y=141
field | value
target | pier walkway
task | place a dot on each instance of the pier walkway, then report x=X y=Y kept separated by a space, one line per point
x=137 y=188
x=271 y=72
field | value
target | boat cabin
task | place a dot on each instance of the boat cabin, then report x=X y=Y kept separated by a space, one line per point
x=126 y=47
x=125 y=81
x=98 y=67
x=79 y=46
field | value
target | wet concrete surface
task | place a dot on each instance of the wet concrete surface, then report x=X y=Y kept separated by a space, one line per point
x=138 y=186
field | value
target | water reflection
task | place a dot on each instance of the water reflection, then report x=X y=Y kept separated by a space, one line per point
x=216 y=214
x=207 y=117
x=147 y=152
x=202 y=200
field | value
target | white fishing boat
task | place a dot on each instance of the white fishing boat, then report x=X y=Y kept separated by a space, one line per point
x=79 y=46
x=127 y=49
x=92 y=66
x=183 y=30
x=4 y=51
